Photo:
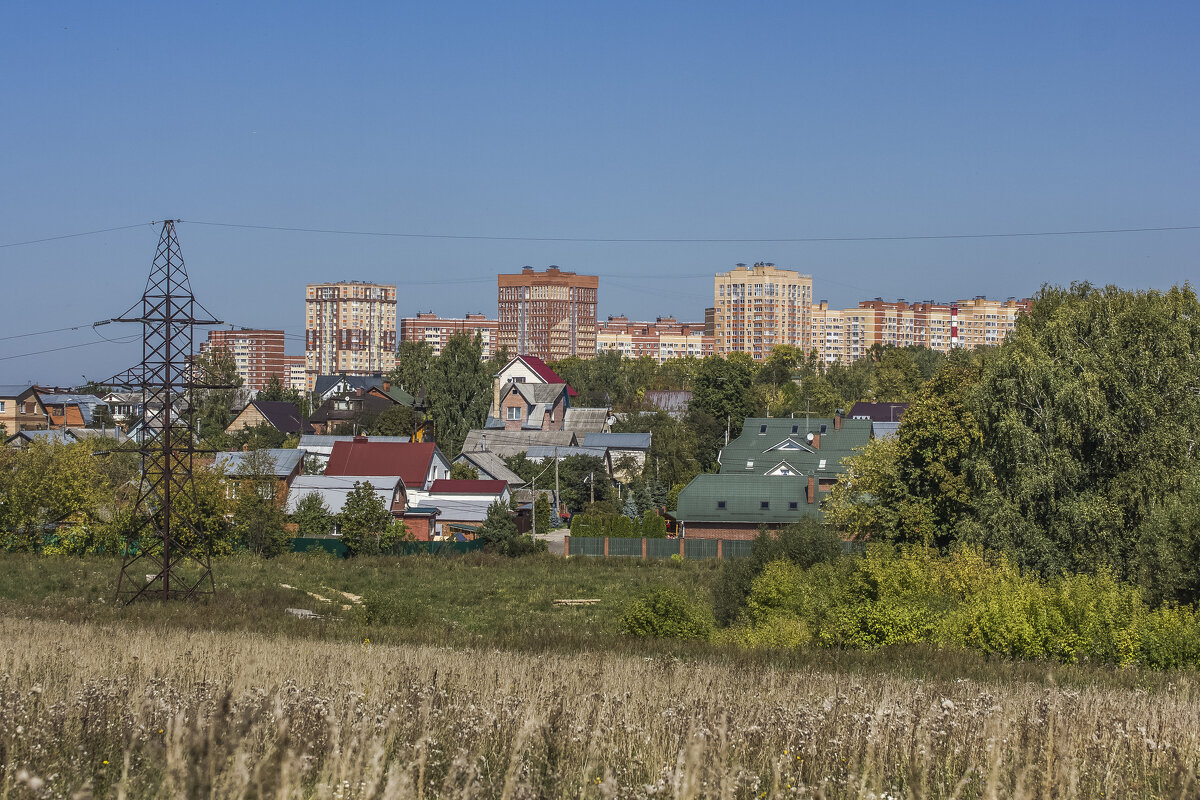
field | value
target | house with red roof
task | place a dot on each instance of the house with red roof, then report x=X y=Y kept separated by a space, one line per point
x=527 y=370
x=418 y=464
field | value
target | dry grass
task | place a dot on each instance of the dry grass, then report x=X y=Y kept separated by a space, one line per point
x=91 y=710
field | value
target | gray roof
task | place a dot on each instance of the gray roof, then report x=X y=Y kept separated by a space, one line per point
x=284 y=460
x=509 y=443
x=586 y=420
x=668 y=400
x=87 y=403
x=316 y=443
x=618 y=441
x=541 y=451
x=57 y=436
x=14 y=389
x=537 y=392
x=884 y=430
x=455 y=508
x=334 y=489
x=492 y=466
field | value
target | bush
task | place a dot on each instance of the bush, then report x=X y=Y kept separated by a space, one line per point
x=668 y=614
x=384 y=608
x=653 y=526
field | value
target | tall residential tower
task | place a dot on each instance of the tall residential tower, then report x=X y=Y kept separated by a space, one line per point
x=760 y=307
x=350 y=329
x=550 y=314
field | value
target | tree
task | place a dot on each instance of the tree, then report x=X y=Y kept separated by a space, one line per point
x=462 y=471
x=44 y=483
x=459 y=394
x=541 y=513
x=363 y=520
x=214 y=407
x=399 y=420
x=499 y=533
x=276 y=391
x=258 y=518
x=721 y=389
x=312 y=516
x=413 y=371
x=896 y=376
x=1087 y=415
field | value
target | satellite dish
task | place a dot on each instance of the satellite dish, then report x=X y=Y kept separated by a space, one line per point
x=809 y=437
x=612 y=420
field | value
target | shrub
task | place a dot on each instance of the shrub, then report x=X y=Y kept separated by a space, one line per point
x=384 y=608
x=653 y=526
x=666 y=613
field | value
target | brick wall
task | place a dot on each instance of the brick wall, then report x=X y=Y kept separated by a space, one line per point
x=720 y=530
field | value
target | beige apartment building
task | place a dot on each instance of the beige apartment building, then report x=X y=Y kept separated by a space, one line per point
x=663 y=339
x=846 y=335
x=759 y=307
x=350 y=329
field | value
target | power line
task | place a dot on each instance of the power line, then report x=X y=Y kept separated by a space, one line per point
x=775 y=240
x=56 y=330
x=75 y=235
x=126 y=340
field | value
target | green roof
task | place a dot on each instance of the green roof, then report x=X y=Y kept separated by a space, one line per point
x=743 y=497
x=770 y=443
x=399 y=395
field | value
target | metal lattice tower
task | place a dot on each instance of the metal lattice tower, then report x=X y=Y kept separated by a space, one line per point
x=166 y=554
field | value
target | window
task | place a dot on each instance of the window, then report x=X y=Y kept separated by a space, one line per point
x=793 y=505
x=762 y=429
x=1 y=406
x=765 y=505
x=795 y=429
x=749 y=463
x=720 y=504
x=821 y=465
x=514 y=412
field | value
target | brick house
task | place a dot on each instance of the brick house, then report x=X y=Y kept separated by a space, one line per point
x=21 y=409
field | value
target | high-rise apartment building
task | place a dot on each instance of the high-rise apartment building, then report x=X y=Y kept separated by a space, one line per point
x=296 y=378
x=847 y=334
x=350 y=329
x=759 y=307
x=663 y=339
x=257 y=353
x=549 y=314
x=437 y=330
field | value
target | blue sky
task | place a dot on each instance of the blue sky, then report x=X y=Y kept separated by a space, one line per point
x=601 y=120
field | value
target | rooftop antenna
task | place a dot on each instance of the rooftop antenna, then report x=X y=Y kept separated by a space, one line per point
x=166 y=553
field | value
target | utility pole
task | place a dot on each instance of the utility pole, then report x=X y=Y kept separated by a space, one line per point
x=592 y=485
x=556 y=495
x=533 y=508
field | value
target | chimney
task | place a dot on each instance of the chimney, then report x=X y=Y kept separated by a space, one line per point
x=483 y=442
x=837 y=421
x=360 y=438
x=358 y=392
x=811 y=491
x=387 y=386
x=816 y=443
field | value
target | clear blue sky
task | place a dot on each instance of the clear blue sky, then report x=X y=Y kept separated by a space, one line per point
x=599 y=120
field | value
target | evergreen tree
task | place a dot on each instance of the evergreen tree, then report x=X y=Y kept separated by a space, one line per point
x=363 y=520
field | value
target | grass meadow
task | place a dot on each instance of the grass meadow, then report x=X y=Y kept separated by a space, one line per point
x=487 y=689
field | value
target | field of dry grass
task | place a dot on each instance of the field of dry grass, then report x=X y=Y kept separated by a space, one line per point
x=111 y=710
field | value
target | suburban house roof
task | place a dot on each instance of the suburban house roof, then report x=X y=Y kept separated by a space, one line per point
x=394 y=393
x=282 y=415
x=55 y=436
x=86 y=403
x=586 y=420
x=448 y=486
x=743 y=497
x=509 y=443
x=543 y=371
x=541 y=451
x=668 y=400
x=409 y=460
x=14 y=389
x=456 y=508
x=284 y=461
x=618 y=441
x=491 y=465
x=334 y=489
x=765 y=442
x=315 y=442
x=878 y=412
x=327 y=383
x=355 y=404
x=884 y=430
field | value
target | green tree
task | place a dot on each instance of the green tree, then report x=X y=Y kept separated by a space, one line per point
x=399 y=420
x=462 y=471
x=896 y=377
x=459 y=391
x=45 y=483
x=312 y=516
x=413 y=371
x=214 y=407
x=258 y=518
x=499 y=533
x=363 y=520
x=541 y=513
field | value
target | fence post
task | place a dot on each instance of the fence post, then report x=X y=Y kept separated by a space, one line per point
x=566 y=546
x=720 y=549
x=606 y=547
x=681 y=553
x=643 y=548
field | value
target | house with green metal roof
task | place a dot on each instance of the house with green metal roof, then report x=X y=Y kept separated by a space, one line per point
x=774 y=474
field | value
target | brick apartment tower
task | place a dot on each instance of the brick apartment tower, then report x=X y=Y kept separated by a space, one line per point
x=759 y=307
x=257 y=353
x=550 y=314
x=349 y=329
x=437 y=330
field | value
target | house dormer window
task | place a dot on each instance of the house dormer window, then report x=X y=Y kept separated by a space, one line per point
x=514 y=412
x=762 y=429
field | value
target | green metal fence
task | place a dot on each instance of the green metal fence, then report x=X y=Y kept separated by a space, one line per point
x=658 y=548
x=624 y=547
x=333 y=544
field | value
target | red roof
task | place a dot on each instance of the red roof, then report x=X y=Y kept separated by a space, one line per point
x=468 y=487
x=409 y=460
x=545 y=373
